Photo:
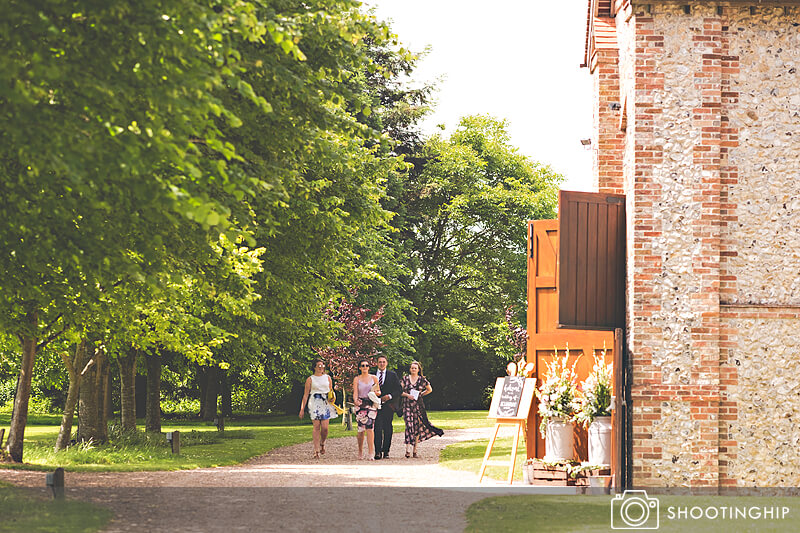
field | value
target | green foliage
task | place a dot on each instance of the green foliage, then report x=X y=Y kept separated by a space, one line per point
x=469 y=200
x=180 y=406
x=219 y=172
x=459 y=367
x=462 y=237
x=258 y=392
x=205 y=185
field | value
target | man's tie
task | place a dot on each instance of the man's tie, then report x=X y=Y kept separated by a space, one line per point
x=380 y=379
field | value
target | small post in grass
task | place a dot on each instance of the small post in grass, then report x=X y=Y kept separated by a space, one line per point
x=174 y=437
x=55 y=480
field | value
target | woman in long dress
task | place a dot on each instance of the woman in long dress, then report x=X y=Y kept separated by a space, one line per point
x=366 y=411
x=315 y=395
x=418 y=428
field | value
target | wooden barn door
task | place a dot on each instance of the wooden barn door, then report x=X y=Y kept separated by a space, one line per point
x=545 y=336
x=591 y=262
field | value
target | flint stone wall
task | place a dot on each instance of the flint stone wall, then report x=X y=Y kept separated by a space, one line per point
x=766 y=233
x=767 y=394
x=712 y=178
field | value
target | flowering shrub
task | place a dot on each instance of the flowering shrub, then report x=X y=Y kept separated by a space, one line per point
x=595 y=397
x=360 y=338
x=558 y=390
x=518 y=338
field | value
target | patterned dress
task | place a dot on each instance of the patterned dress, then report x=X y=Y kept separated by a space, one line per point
x=417 y=425
x=367 y=413
x=318 y=406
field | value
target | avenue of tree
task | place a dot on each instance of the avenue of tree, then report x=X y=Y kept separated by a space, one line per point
x=211 y=193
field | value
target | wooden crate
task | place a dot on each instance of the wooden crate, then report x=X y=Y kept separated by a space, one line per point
x=558 y=475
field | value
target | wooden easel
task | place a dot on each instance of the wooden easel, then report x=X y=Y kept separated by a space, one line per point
x=517 y=418
x=520 y=425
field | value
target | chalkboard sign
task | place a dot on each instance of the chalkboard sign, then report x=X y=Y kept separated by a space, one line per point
x=510 y=395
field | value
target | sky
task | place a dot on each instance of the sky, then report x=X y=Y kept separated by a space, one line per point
x=513 y=59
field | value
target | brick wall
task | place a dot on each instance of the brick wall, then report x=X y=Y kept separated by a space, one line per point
x=710 y=165
x=609 y=139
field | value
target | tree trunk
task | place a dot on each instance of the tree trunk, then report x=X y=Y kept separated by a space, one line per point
x=202 y=383
x=76 y=368
x=16 y=432
x=212 y=391
x=108 y=410
x=226 y=401
x=153 y=413
x=141 y=395
x=102 y=395
x=127 y=389
x=91 y=422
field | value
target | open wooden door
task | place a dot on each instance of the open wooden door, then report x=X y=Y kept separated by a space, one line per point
x=544 y=335
x=598 y=254
x=591 y=262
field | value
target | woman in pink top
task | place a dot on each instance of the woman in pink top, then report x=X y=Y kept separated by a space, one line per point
x=366 y=412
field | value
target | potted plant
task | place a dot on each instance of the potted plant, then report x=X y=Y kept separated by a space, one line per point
x=557 y=407
x=594 y=410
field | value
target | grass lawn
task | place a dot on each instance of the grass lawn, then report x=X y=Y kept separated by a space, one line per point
x=201 y=445
x=20 y=511
x=468 y=456
x=558 y=513
x=544 y=513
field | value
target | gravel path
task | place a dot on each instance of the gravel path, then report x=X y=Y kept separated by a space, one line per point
x=288 y=490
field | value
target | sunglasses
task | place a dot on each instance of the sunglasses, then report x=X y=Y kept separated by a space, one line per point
x=364 y=366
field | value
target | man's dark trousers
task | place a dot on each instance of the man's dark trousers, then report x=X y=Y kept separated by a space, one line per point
x=383 y=429
x=383 y=422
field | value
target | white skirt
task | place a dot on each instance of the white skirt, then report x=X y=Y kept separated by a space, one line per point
x=319 y=408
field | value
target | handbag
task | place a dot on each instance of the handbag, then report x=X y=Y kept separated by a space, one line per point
x=331 y=396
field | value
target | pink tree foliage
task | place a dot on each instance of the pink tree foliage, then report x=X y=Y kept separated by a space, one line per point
x=517 y=335
x=359 y=338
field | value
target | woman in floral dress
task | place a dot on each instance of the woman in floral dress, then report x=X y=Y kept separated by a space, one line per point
x=366 y=412
x=418 y=428
x=315 y=396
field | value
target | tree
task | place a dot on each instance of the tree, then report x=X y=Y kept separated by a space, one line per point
x=131 y=171
x=360 y=337
x=465 y=205
x=99 y=171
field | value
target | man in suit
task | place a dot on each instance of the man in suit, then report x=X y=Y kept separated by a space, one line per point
x=390 y=401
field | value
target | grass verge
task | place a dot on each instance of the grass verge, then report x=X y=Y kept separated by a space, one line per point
x=468 y=456
x=201 y=445
x=589 y=514
x=20 y=511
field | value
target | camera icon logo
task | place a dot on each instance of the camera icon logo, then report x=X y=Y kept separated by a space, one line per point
x=634 y=509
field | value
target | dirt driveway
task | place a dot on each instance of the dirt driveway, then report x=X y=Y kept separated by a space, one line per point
x=288 y=490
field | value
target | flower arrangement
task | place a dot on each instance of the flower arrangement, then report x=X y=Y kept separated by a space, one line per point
x=521 y=368
x=594 y=398
x=558 y=390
